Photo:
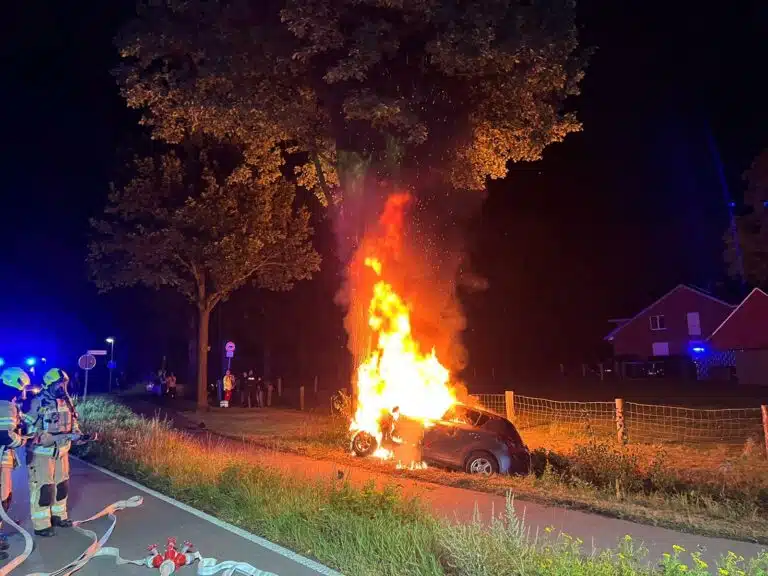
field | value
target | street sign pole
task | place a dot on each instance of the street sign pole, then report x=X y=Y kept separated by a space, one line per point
x=229 y=348
x=87 y=361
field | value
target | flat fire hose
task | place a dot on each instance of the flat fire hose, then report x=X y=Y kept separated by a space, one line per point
x=165 y=566
x=90 y=552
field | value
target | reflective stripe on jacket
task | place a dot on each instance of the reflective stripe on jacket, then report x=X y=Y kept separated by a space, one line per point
x=54 y=417
x=10 y=420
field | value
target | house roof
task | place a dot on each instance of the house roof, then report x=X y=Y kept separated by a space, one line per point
x=664 y=297
x=746 y=328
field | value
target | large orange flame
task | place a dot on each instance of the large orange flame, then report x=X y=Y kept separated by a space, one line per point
x=396 y=373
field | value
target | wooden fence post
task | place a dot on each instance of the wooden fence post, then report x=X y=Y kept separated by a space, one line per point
x=621 y=431
x=509 y=404
x=301 y=398
x=764 y=410
x=279 y=387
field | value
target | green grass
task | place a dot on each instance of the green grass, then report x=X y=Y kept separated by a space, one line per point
x=359 y=532
x=714 y=490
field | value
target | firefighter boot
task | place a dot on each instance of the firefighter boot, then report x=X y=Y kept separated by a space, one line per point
x=61 y=522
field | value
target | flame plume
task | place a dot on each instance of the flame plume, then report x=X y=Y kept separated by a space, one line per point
x=395 y=373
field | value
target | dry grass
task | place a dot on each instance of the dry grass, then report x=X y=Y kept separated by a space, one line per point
x=717 y=490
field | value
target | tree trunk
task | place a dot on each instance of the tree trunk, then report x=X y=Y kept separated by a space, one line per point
x=204 y=316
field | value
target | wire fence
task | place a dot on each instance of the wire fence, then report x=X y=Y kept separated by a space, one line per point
x=649 y=423
x=638 y=423
x=492 y=402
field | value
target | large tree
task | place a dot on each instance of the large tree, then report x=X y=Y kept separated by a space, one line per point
x=400 y=90
x=747 y=242
x=192 y=220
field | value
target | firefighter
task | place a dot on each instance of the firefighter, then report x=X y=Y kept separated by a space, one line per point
x=14 y=382
x=53 y=421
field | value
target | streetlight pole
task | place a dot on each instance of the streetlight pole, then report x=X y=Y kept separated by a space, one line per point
x=111 y=342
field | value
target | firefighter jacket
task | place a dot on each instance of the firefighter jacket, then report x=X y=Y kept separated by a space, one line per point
x=54 y=416
x=10 y=436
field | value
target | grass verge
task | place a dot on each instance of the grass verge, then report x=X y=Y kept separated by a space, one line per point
x=358 y=532
x=715 y=491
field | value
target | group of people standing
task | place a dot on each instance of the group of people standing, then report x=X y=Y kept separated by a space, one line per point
x=45 y=425
x=165 y=382
x=249 y=390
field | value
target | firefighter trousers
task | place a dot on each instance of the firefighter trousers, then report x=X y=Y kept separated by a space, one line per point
x=6 y=488
x=48 y=488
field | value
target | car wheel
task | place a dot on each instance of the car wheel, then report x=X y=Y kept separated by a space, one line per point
x=364 y=444
x=482 y=464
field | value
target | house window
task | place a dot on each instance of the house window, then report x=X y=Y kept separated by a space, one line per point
x=657 y=323
x=661 y=348
x=694 y=324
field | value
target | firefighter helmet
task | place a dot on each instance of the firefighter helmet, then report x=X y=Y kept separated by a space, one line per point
x=55 y=376
x=15 y=378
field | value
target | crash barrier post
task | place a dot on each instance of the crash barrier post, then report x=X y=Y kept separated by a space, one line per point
x=509 y=405
x=641 y=423
x=279 y=387
x=764 y=411
x=301 y=398
x=269 y=394
x=621 y=431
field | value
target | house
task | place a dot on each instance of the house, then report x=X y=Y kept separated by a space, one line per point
x=677 y=324
x=742 y=338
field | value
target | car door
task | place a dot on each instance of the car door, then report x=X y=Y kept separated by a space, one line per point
x=443 y=444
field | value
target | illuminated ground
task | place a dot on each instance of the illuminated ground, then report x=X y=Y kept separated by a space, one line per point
x=457 y=503
x=151 y=523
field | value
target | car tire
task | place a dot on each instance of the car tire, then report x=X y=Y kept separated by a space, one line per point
x=481 y=464
x=364 y=444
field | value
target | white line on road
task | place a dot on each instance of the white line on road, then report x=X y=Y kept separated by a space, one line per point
x=271 y=546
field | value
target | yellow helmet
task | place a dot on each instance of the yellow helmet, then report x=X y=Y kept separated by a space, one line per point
x=55 y=376
x=15 y=378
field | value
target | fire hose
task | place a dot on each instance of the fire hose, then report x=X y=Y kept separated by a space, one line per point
x=166 y=563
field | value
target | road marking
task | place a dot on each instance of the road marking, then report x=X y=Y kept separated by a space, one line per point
x=271 y=546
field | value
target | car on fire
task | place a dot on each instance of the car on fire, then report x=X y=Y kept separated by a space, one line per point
x=466 y=438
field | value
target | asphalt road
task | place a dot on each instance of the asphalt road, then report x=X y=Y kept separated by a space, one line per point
x=457 y=504
x=151 y=523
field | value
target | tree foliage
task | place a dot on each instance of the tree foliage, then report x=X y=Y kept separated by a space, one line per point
x=747 y=245
x=412 y=89
x=202 y=226
x=188 y=224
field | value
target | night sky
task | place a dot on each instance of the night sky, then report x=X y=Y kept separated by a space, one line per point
x=605 y=223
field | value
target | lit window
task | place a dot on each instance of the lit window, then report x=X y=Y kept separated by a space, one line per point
x=657 y=323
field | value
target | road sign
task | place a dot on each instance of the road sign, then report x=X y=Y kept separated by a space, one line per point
x=97 y=352
x=86 y=361
x=230 y=349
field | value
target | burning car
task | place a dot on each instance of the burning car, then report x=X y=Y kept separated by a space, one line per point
x=465 y=438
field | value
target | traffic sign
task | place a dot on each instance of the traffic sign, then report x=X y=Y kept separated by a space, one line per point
x=97 y=352
x=230 y=349
x=86 y=361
